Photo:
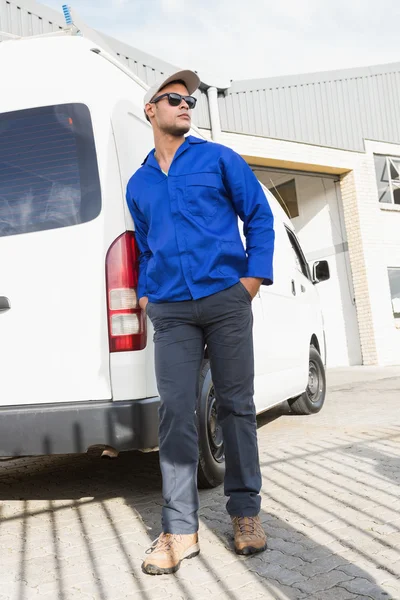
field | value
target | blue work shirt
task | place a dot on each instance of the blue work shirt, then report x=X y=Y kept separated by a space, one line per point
x=186 y=223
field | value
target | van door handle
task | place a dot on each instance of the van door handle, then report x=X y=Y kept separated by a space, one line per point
x=293 y=288
x=4 y=304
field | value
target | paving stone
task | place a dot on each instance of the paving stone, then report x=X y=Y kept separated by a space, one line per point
x=363 y=586
x=323 y=581
x=285 y=560
x=372 y=572
x=392 y=589
x=281 y=574
x=336 y=593
x=394 y=540
x=322 y=565
x=283 y=592
x=290 y=548
x=317 y=553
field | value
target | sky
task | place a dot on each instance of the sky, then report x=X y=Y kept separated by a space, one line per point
x=249 y=39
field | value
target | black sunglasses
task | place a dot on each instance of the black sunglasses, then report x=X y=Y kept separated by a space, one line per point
x=176 y=99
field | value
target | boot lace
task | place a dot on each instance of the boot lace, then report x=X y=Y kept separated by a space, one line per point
x=164 y=542
x=247 y=525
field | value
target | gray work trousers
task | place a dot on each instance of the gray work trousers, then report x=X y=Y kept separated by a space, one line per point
x=222 y=321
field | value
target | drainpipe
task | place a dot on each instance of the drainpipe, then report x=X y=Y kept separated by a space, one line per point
x=212 y=94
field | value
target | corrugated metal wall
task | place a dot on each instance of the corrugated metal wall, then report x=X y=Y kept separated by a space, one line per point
x=337 y=109
x=144 y=72
x=28 y=18
x=148 y=68
x=201 y=114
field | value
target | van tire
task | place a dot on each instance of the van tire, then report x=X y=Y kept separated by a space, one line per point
x=312 y=400
x=211 y=469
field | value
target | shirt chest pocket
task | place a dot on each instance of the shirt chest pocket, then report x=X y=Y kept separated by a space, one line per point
x=203 y=193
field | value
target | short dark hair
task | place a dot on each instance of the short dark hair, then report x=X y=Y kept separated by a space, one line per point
x=160 y=90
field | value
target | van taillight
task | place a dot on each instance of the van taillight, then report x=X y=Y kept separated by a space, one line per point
x=126 y=320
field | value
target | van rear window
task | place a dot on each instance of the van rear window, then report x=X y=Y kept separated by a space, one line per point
x=48 y=169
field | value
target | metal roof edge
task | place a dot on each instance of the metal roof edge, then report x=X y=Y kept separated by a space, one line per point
x=138 y=55
x=308 y=78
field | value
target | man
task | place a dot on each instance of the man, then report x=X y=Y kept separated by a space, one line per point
x=196 y=283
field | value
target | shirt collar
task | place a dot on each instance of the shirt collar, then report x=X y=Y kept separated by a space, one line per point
x=195 y=140
x=190 y=139
x=150 y=160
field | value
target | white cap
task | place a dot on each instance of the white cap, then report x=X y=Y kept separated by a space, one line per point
x=191 y=80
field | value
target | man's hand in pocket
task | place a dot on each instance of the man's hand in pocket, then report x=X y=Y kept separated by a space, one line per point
x=252 y=285
x=143 y=302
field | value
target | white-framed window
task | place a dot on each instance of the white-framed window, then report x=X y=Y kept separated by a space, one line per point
x=394 y=282
x=388 y=178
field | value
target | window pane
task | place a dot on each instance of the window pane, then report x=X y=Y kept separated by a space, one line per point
x=300 y=262
x=48 y=169
x=286 y=195
x=382 y=179
x=394 y=169
x=394 y=282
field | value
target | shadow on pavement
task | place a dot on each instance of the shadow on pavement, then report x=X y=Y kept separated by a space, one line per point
x=382 y=457
x=96 y=517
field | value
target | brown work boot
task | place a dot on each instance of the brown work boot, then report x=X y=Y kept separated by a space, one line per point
x=250 y=536
x=168 y=551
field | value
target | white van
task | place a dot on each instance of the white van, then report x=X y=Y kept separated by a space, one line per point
x=76 y=352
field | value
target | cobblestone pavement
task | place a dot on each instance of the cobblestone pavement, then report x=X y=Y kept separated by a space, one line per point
x=76 y=527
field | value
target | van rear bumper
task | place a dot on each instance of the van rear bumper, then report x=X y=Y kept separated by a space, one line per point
x=73 y=427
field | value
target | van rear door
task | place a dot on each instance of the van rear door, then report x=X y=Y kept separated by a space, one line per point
x=53 y=326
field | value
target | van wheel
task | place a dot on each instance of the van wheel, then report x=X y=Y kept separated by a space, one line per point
x=313 y=398
x=211 y=469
